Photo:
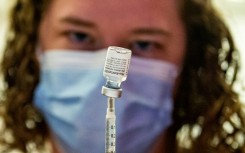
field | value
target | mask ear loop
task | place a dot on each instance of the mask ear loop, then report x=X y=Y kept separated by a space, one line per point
x=39 y=52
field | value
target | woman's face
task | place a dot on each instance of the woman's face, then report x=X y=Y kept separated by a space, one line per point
x=150 y=28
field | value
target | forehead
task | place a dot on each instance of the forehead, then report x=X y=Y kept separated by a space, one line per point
x=116 y=11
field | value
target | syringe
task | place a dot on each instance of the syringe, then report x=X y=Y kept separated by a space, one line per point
x=115 y=71
x=110 y=146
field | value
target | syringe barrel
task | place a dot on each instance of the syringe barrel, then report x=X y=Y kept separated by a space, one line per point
x=110 y=127
x=110 y=135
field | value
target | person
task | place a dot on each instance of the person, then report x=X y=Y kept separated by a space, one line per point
x=178 y=96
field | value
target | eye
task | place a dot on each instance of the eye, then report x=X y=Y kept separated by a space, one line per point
x=79 y=37
x=79 y=40
x=144 y=46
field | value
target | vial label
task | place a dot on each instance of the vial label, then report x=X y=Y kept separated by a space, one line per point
x=117 y=63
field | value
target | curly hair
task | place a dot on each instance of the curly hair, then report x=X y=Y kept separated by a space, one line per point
x=20 y=70
x=208 y=116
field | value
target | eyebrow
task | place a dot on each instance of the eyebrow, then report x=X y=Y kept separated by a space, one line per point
x=77 y=21
x=151 y=31
x=81 y=22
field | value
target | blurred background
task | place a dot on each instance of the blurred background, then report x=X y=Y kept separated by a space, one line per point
x=233 y=12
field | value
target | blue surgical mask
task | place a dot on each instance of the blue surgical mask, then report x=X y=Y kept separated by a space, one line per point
x=69 y=97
